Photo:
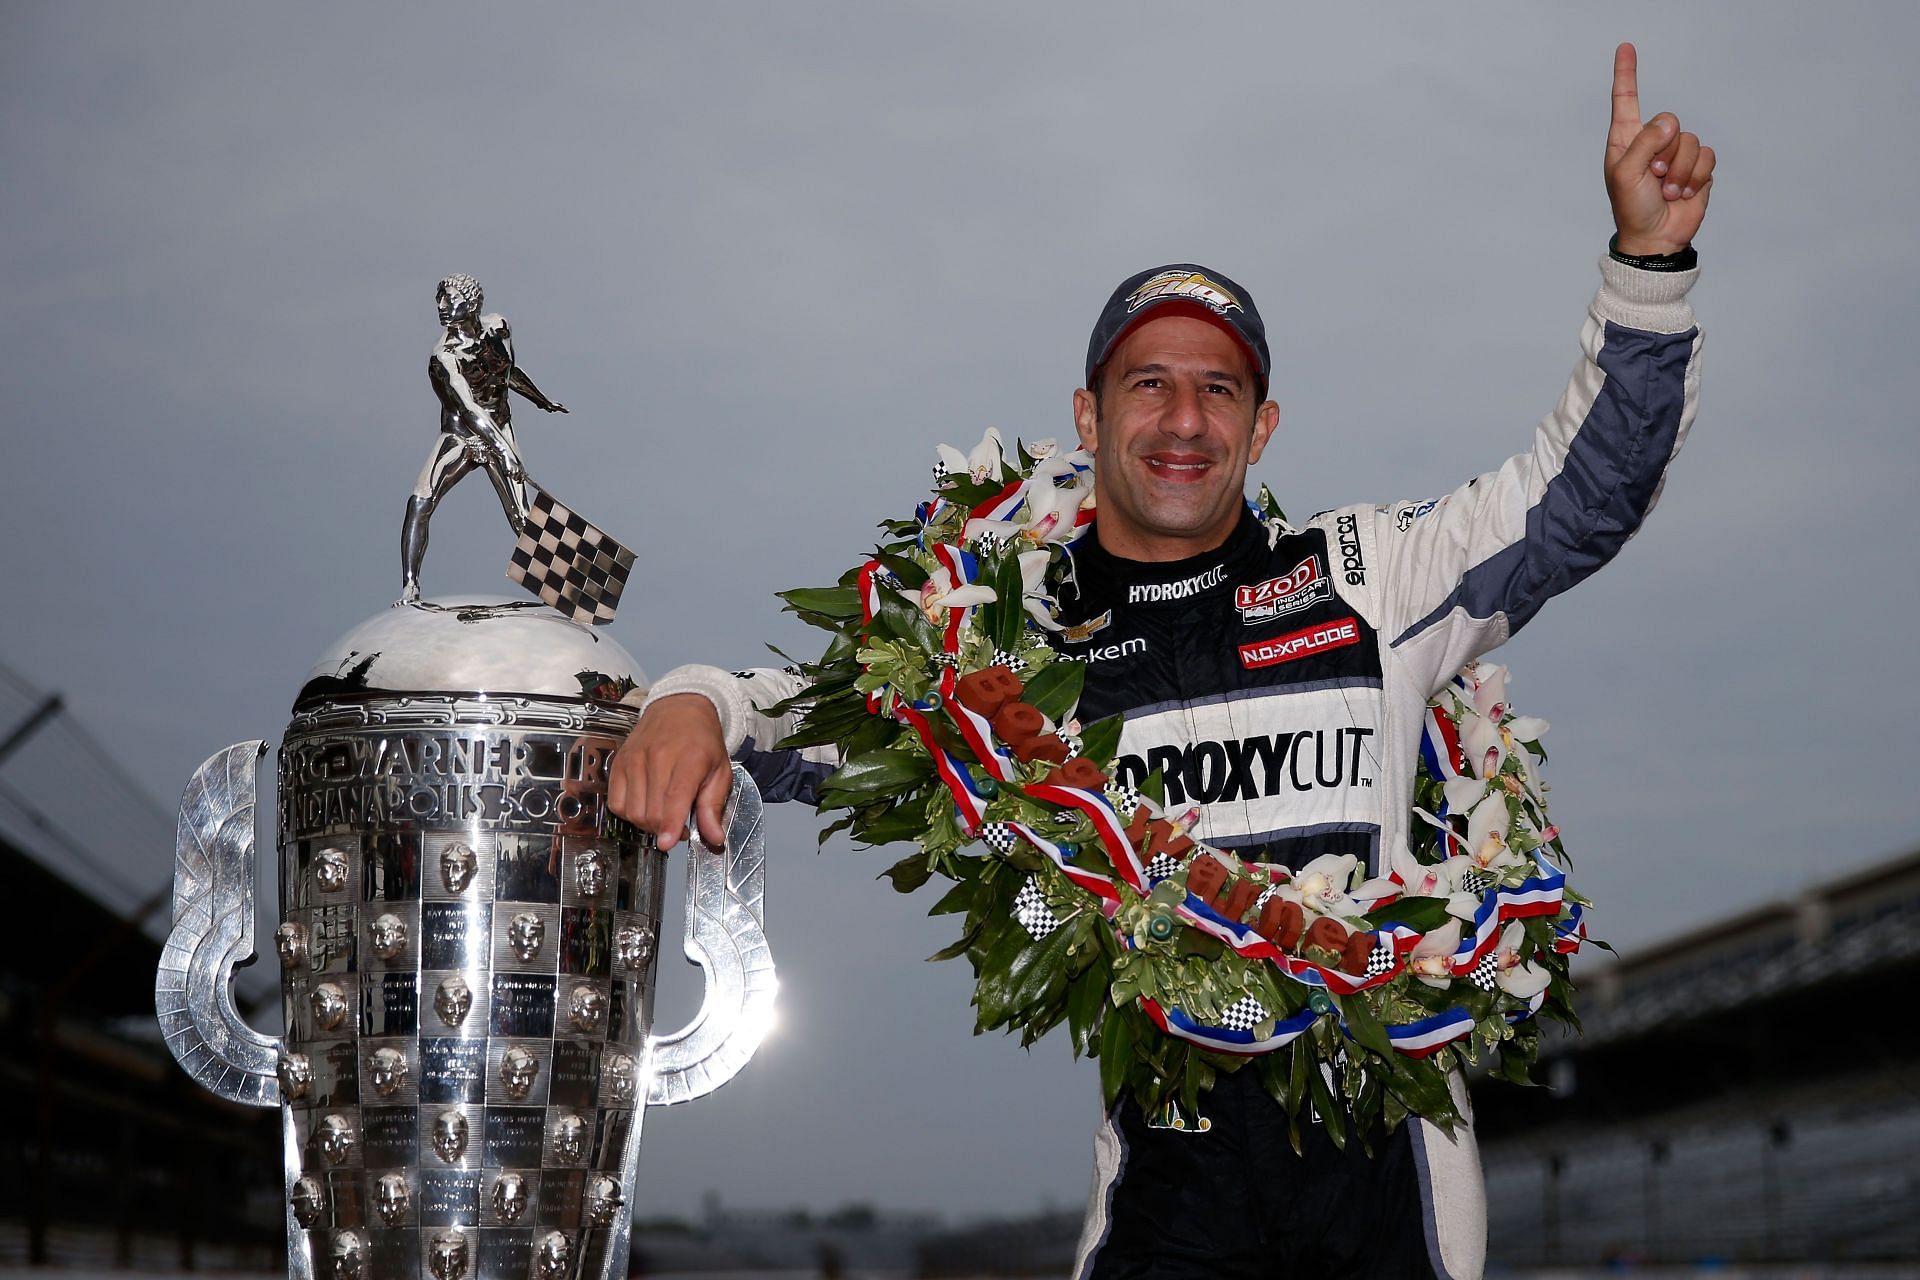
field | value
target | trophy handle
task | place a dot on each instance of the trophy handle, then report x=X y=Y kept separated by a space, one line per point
x=212 y=935
x=726 y=937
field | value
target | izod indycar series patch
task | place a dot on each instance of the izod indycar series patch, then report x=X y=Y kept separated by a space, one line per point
x=1299 y=587
x=1317 y=638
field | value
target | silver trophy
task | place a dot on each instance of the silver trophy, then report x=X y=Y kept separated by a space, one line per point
x=466 y=946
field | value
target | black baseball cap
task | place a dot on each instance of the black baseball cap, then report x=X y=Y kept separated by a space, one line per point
x=1175 y=289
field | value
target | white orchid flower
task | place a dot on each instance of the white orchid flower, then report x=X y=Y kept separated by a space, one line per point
x=1487 y=689
x=1463 y=793
x=1322 y=884
x=1525 y=728
x=1522 y=981
x=1435 y=880
x=1050 y=509
x=1040 y=450
x=1431 y=960
x=982 y=465
x=1487 y=834
x=1485 y=745
x=938 y=594
x=1033 y=594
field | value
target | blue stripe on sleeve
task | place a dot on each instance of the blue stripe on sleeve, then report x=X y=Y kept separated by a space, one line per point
x=784 y=775
x=1606 y=483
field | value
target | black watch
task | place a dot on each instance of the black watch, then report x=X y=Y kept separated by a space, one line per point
x=1685 y=260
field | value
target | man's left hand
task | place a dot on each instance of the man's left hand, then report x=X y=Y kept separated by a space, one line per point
x=1658 y=177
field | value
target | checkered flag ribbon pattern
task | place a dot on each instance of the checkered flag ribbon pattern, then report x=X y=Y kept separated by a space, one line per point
x=1243 y=1014
x=1162 y=866
x=567 y=562
x=1380 y=960
x=1031 y=910
x=1486 y=974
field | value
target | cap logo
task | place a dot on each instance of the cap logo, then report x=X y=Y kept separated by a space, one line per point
x=1183 y=284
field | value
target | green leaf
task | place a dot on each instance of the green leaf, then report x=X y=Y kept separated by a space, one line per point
x=953 y=949
x=1055 y=688
x=1086 y=997
x=896 y=822
x=1423 y=914
x=1363 y=1025
x=909 y=873
x=1009 y=614
x=1099 y=740
x=830 y=602
x=1116 y=1054
x=878 y=770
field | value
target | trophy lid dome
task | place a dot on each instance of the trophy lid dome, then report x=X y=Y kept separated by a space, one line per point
x=482 y=645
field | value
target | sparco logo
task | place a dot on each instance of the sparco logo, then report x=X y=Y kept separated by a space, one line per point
x=1288 y=593
x=1249 y=768
x=1298 y=644
x=1348 y=527
x=1155 y=592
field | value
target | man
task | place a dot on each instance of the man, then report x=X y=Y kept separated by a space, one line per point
x=1278 y=677
x=472 y=369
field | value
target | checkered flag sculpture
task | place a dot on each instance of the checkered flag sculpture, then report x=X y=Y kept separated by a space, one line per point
x=1243 y=1014
x=568 y=562
x=1031 y=910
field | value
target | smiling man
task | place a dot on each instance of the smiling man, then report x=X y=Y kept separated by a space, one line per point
x=1276 y=678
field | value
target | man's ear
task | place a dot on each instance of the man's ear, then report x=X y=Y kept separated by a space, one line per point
x=1266 y=420
x=1086 y=419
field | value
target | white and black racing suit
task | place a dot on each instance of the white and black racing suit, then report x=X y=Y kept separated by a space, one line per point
x=1279 y=682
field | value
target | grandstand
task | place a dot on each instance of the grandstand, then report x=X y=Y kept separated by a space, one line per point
x=1747 y=1092
x=109 y=1155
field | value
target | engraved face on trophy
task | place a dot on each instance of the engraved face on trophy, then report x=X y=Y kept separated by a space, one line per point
x=554 y=1255
x=618 y=1069
x=447 y=1255
x=296 y=1076
x=587 y=1008
x=457 y=865
x=335 y=1138
x=450 y=1136
x=329 y=1005
x=392 y=1198
x=389 y=935
x=603 y=1200
x=633 y=944
x=517 y=1071
x=387 y=1071
x=290 y=940
x=346 y=1256
x=330 y=870
x=510 y=1197
x=452 y=999
x=526 y=934
x=569 y=1137
x=591 y=872
x=309 y=1201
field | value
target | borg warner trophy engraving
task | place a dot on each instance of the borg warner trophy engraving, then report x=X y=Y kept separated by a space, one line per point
x=560 y=557
x=466 y=944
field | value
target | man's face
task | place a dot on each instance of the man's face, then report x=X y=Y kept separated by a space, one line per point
x=453 y=308
x=1172 y=432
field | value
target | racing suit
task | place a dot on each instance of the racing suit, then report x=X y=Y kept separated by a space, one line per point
x=1279 y=681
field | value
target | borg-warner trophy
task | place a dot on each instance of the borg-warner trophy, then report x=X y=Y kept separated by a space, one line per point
x=467 y=936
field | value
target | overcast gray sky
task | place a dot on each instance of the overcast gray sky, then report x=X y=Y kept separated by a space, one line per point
x=770 y=255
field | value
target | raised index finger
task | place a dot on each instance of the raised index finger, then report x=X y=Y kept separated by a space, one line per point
x=1626 y=101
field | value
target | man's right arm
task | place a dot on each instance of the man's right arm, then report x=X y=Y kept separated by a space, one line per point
x=696 y=721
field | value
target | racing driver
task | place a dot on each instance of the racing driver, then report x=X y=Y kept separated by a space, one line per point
x=1277 y=677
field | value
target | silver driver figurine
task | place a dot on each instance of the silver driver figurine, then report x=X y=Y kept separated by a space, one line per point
x=472 y=370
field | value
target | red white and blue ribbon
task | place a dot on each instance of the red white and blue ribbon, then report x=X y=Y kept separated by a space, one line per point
x=1112 y=832
x=1092 y=881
